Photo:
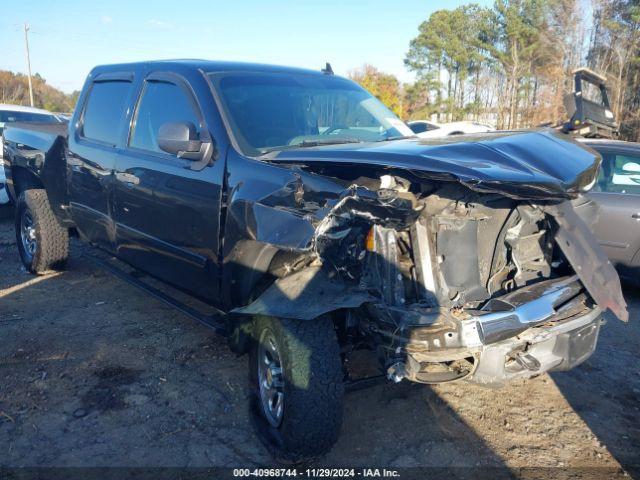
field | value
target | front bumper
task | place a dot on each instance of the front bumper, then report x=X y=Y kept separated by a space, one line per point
x=551 y=325
x=559 y=347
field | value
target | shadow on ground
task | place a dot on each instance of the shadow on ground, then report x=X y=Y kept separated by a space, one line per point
x=605 y=390
x=95 y=373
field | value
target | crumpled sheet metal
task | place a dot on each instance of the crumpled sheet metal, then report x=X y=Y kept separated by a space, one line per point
x=588 y=259
x=524 y=165
x=305 y=295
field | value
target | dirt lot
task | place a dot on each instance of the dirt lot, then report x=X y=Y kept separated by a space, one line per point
x=96 y=373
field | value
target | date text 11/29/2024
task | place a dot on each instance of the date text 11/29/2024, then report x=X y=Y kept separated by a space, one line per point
x=316 y=472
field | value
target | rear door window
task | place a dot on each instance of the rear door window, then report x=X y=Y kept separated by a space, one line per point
x=105 y=110
x=161 y=102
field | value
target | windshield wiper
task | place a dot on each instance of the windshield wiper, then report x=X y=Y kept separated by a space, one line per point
x=398 y=137
x=311 y=143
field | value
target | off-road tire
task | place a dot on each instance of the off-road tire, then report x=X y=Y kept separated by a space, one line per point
x=52 y=240
x=313 y=389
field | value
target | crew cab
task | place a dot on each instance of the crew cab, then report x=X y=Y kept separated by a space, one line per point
x=312 y=217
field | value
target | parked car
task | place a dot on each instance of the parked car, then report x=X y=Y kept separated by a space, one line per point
x=425 y=129
x=303 y=209
x=617 y=192
x=17 y=113
x=4 y=195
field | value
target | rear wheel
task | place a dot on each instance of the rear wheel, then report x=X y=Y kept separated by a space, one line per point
x=43 y=244
x=297 y=388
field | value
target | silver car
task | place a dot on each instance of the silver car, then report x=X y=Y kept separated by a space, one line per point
x=617 y=192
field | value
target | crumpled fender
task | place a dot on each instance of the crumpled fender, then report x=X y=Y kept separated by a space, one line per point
x=588 y=259
x=305 y=295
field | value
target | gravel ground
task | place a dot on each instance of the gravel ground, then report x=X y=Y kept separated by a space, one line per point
x=94 y=373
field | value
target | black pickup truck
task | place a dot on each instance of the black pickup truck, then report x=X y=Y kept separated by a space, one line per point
x=303 y=209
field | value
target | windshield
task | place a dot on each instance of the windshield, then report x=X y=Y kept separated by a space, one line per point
x=275 y=111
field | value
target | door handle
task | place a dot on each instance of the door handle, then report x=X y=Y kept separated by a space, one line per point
x=128 y=178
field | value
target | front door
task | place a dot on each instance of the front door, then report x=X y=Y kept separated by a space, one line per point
x=167 y=214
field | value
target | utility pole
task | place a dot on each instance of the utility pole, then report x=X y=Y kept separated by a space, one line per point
x=26 y=44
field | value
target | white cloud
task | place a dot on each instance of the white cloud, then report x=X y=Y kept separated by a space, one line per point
x=159 y=23
x=107 y=20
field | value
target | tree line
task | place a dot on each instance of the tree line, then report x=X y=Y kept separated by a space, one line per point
x=511 y=65
x=14 y=89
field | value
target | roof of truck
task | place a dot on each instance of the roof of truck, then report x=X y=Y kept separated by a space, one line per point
x=211 y=66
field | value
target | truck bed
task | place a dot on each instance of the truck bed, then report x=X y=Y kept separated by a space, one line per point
x=36 y=151
x=40 y=133
x=57 y=128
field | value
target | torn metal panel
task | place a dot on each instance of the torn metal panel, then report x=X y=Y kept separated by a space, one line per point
x=588 y=260
x=533 y=165
x=305 y=295
x=423 y=260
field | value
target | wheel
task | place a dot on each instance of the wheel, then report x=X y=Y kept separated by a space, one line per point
x=297 y=388
x=43 y=244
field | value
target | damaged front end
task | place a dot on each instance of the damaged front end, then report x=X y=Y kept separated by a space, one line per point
x=449 y=280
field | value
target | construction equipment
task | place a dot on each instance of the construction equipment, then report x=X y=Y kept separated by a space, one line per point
x=588 y=107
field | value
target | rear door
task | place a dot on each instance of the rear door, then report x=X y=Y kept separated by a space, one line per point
x=92 y=154
x=618 y=194
x=167 y=213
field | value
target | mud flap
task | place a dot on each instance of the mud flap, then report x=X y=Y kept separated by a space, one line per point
x=588 y=259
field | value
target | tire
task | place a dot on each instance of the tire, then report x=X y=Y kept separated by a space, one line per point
x=44 y=245
x=313 y=388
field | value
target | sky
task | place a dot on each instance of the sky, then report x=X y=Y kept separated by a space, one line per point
x=68 y=37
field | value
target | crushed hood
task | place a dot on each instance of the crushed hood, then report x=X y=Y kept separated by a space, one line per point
x=534 y=164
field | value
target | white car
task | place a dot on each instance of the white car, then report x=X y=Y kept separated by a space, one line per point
x=4 y=195
x=426 y=129
x=18 y=113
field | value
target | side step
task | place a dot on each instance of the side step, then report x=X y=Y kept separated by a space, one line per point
x=213 y=321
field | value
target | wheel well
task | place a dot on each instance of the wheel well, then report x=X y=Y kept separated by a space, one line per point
x=24 y=179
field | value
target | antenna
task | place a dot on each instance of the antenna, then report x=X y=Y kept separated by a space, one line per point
x=327 y=70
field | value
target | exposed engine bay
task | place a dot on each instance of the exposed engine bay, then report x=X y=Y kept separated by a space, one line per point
x=432 y=275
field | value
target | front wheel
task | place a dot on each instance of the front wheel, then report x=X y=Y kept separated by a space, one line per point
x=297 y=388
x=43 y=244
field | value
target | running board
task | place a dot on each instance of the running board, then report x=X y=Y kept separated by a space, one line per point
x=216 y=322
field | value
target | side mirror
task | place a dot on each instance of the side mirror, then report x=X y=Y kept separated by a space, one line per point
x=631 y=167
x=179 y=138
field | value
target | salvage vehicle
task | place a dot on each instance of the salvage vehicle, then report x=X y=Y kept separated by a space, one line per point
x=303 y=209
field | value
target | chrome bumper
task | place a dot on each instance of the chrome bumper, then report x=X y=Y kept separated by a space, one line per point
x=522 y=309
x=555 y=331
x=559 y=347
x=552 y=325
